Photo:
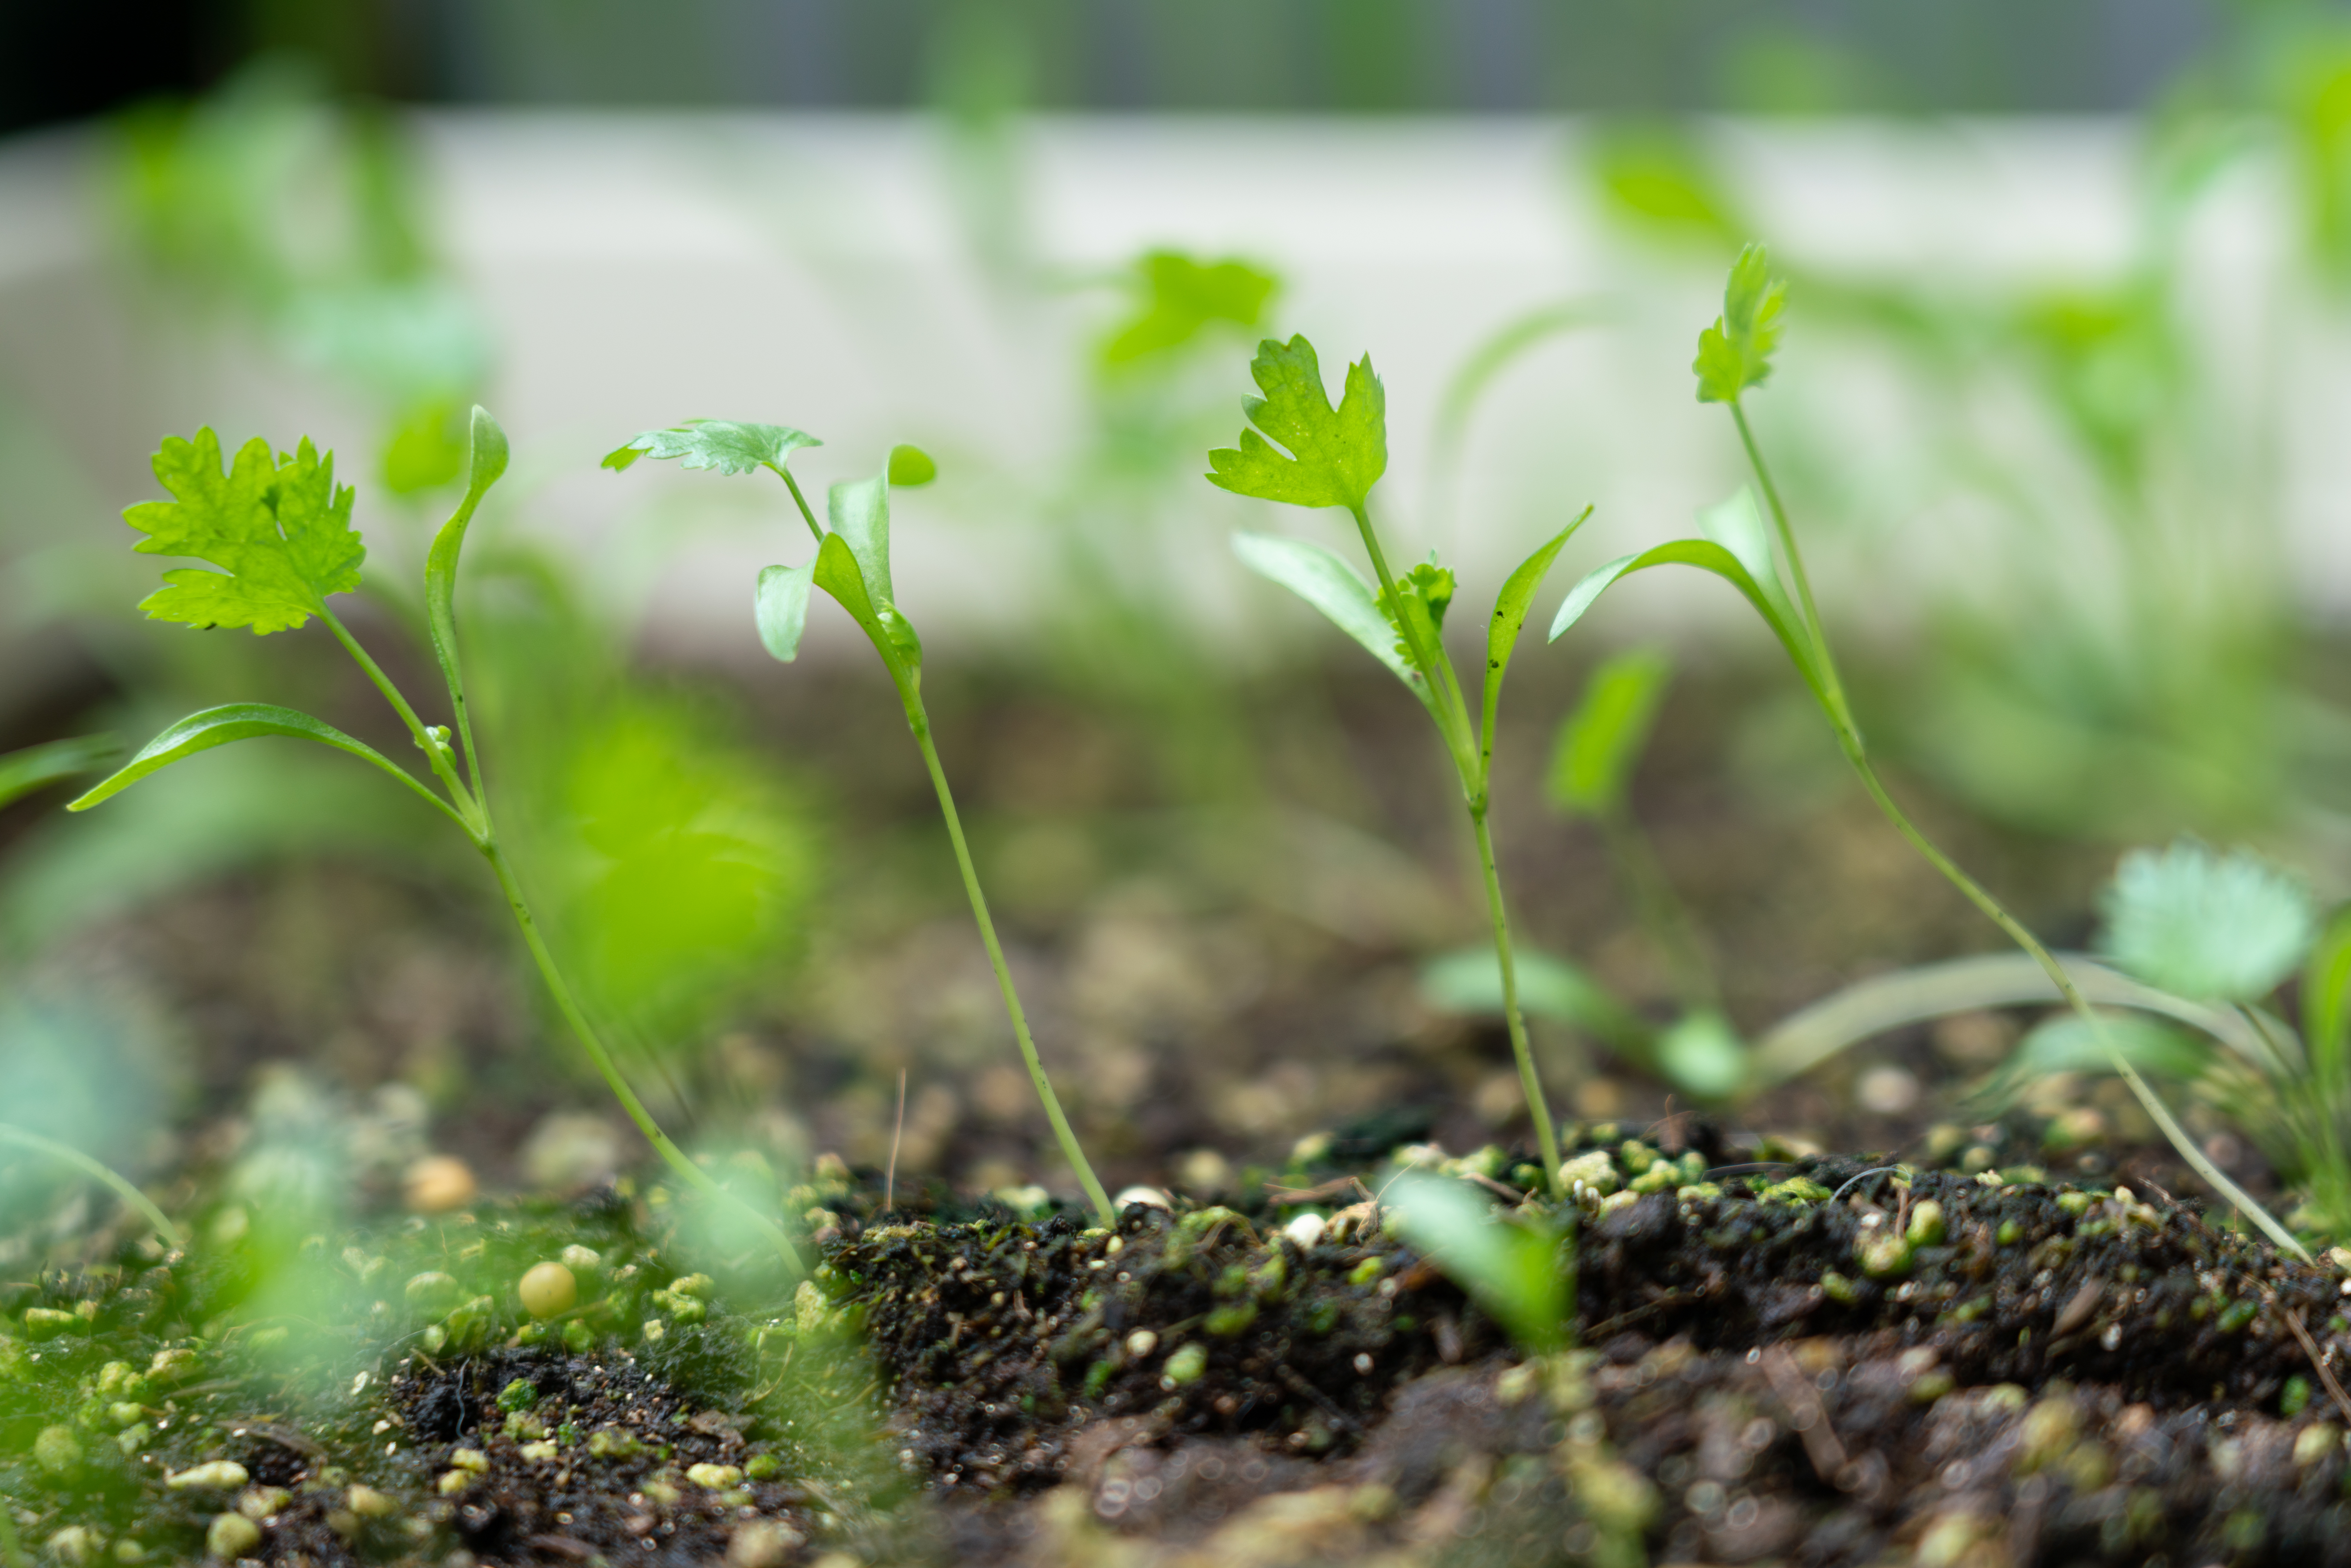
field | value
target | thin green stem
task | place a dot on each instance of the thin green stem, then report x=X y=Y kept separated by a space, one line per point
x=436 y=752
x=11 y=1550
x=808 y=515
x=1446 y=702
x=1856 y=753
x=1546 y=1139
x=1810 y=609
x=65 y=1154
x=670 y=1153
x=918 y=720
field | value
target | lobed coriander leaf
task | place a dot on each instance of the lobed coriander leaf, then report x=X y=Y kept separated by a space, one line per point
x=2203 y=925
x=1181 y=297
x=280 y=529
x=1735 y=353
x=1423 y=594
x=1336 y=455
x=720 y=444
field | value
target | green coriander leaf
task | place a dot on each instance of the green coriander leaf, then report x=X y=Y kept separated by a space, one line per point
x=242 y=721
x=1425 y=592
x=858 y=510
x=1707 y=556
x=911 y=467
x=715 y=443
x=781 y=608
x=1602 y=740
x=1182 y=297
x=1735 y=353
x=1324 y=580
x=2203 y=925
x=279 y=529
x=1336 y=456
x=1509 y=618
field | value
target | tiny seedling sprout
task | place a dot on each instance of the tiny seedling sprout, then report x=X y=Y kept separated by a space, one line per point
x=279 y=529
x=1734 y=356
x=1304 y=452
x=852 y=564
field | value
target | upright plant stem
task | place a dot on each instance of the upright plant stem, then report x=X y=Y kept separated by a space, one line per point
x=918 y=720
x=1472 y=758
x=65 y=1154
x=1546 y=1139
x=590 y=1040
x=1856 y=753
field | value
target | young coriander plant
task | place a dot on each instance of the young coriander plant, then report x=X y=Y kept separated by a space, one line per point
x=1305 y=453
x=1734 y=355
x=279 y=529
x=853 y=565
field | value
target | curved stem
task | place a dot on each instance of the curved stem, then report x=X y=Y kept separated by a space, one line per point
x=808 y=515
x=670 y=1153
x=436 y=753
x=66 y=1153
x=1856 y=753
x=918 y=720
x=1546 y=1138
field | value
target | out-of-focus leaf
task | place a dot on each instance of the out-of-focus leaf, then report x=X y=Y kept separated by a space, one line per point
x=781 y=608
x=1325 y=580
x=719 y=445
x=1703 y=1056
x=240 y=721
x=426 y=448
x=2204 y=925
x=38 y=767
x=1336 y=455
x=1470 y=981
x=2065 y=1044
x=1182 y=297
x=1735 y=353
x=280 y=532
x=1600 y=741
x=911 y=467
x=1514 y=1267
x=2326 y=1000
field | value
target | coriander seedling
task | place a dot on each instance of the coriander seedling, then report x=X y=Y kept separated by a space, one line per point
x=279 y=529
x=853 y=565
x=1734 y=356
x=1329 y=456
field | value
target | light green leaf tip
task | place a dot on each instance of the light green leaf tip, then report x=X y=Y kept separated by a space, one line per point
x=1735 y=353
x=280 y=529
x=911 y=467
x=1511 y=1266
x=1335 y=455
x=2204 y=925
x=722 y=446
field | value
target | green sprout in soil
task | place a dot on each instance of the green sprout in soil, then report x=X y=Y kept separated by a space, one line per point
x=280 y=531
x=1735 y=355
x=853 y=565
x=1331 y=457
